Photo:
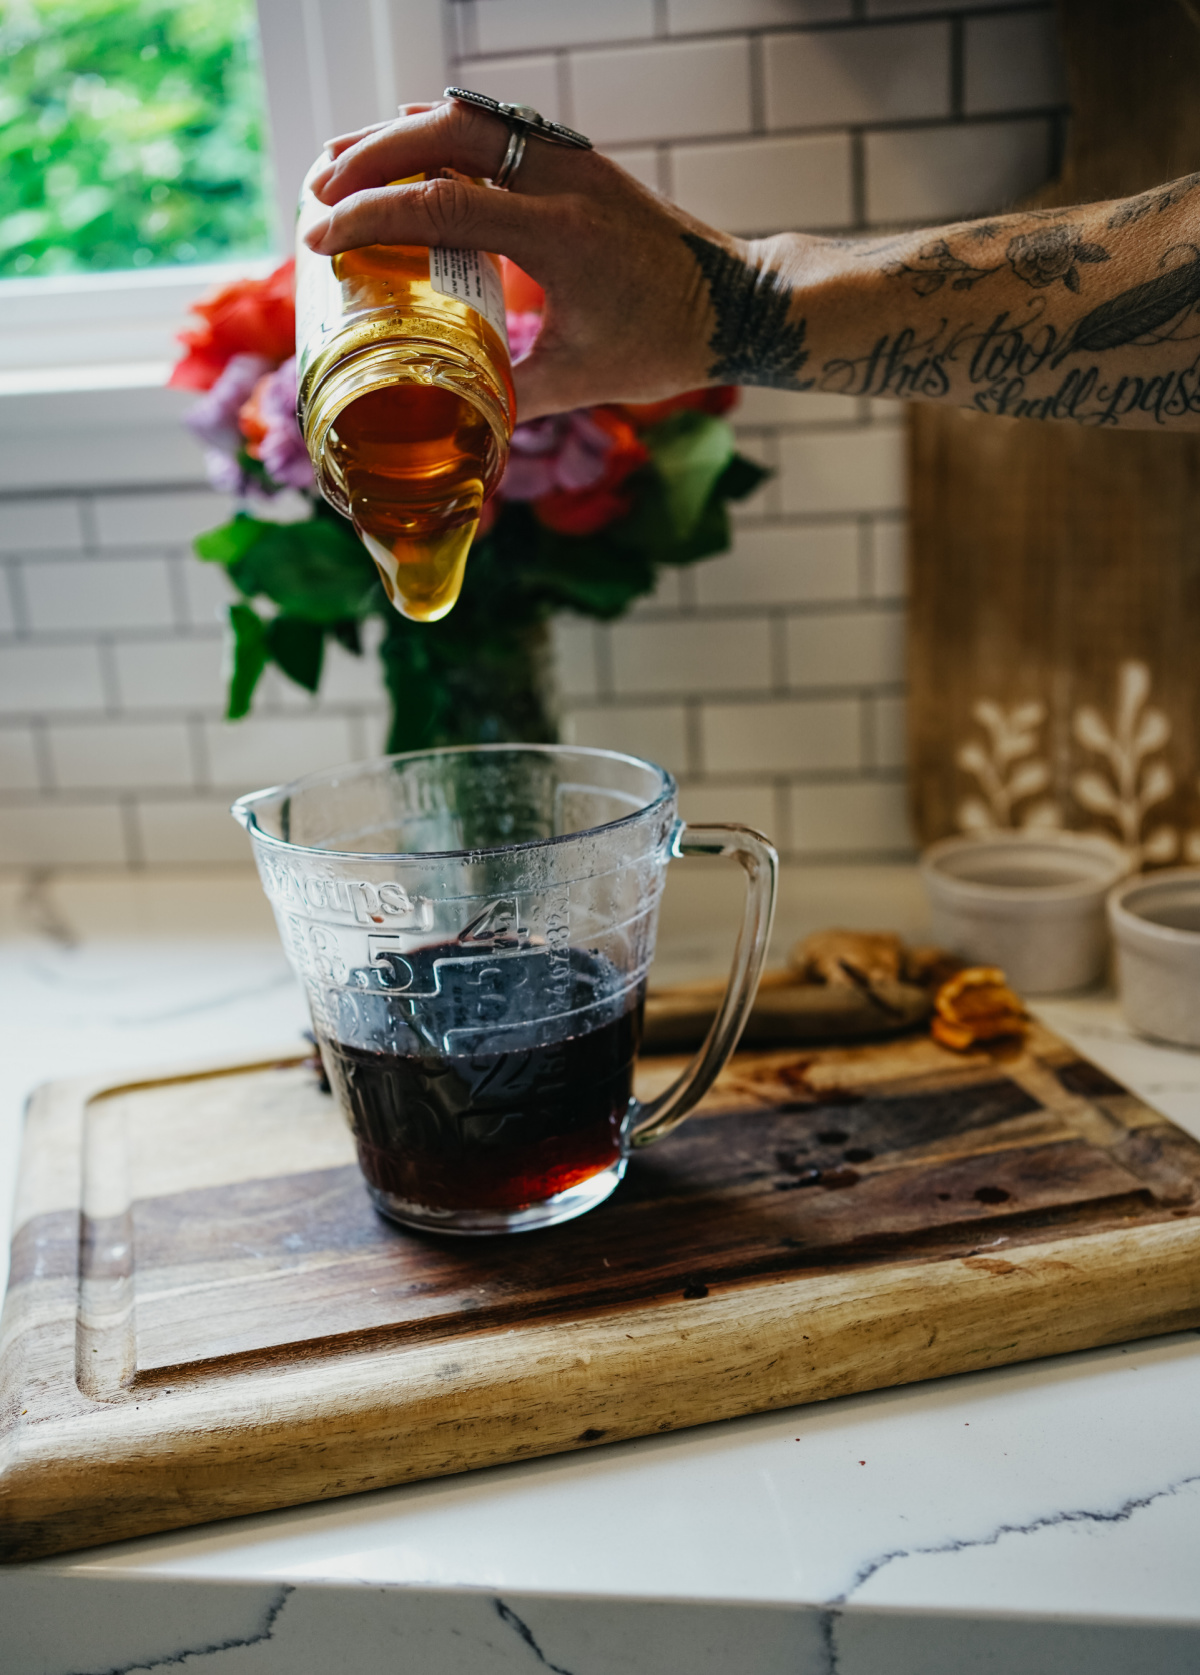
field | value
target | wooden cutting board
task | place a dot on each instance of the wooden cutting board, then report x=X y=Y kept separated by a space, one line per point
x=205 y=1316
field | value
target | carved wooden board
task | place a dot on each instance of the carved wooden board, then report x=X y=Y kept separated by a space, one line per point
x=205 y=1317
x=1055 y=567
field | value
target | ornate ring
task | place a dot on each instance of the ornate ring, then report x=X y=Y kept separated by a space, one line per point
x=522 y=121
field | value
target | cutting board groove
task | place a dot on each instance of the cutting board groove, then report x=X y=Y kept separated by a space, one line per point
x=206 y=1318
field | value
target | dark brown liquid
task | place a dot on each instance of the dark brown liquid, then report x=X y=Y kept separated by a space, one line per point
x=482 y=1128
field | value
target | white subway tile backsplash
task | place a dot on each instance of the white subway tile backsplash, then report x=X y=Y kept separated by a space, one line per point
x=904 y=8
x=517 y=25
x=783 y=565
x=1013 y=62
x=851 y=648
x=347 y=679
x=188 y=831
x=851 y=471
x=661 y=92
x=891 y=73
x=8 y=619
x=171 y=674
x=52 y=678
x=786 y=735
x=723 y=805
x=18 y=760
x=244 y=755
x=516 y=81
x=870 y=817
x=767 y=185
x=931 y=174
x=695 y=16
x=159 y=520
x=761 y=406
x=889 y=732
x=208 y=592
x=690 y=656
x=656 y=731
x=641 y=161
x=889 y=559
x=573 y=649
x=120 y=755
x=98 y=593
x=28 y=526
x=62 y=834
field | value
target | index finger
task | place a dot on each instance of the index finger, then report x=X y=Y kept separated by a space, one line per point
x=450 y=135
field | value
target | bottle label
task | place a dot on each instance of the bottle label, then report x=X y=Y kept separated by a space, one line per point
x=471 y=277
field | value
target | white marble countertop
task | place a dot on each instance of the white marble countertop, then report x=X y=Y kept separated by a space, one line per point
x=1038 y=1517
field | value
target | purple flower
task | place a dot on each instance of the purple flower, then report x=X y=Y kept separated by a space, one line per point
x=562 y=451
x=214 y=418
x=281 y=448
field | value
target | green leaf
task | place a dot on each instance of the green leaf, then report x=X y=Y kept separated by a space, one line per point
x=690 y=451
x=249 y=659
x=416 y=697
x=298 y=647
x=231 y=541
x=741 y=477
x=317 y=569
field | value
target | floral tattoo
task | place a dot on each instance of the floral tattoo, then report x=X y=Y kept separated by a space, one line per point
x=1040 y=258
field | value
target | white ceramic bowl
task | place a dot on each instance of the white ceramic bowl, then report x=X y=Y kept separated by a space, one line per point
x=1155 y=923
x=1031 y=903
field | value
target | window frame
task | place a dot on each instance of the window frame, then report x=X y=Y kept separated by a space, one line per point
x=117 y=330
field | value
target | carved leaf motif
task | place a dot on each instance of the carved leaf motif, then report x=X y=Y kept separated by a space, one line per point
x=1157 y=782
x=1133 y=688
x=1042 y=817
x=1152 y=733
x=1028 y=715
x=972 y=758
x=974 y=816
x=1090 y=730
x=1096 y=794
x=1161 y=845
x=989 y=714
x=1028 y=778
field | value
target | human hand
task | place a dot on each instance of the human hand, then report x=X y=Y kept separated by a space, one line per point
x=627 y=315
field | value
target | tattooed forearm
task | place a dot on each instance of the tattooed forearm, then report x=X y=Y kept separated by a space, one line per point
x=754 y=341
x=983 y=314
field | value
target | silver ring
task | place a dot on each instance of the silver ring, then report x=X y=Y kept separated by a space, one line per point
x=512 y=158
x=522 y=121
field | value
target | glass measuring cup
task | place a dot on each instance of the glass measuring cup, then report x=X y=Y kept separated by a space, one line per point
x=473 y=928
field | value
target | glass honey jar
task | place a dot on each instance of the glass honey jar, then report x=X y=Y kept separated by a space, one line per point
x=405 y=401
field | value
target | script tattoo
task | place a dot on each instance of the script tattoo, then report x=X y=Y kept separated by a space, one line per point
x=1001 y=359
x=754 y=341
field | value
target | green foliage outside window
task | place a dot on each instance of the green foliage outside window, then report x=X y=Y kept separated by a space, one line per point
x=131 y=134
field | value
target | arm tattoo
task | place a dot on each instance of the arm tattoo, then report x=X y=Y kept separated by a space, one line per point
x=754 y=341
x=1039 y=259
x=1166 y=197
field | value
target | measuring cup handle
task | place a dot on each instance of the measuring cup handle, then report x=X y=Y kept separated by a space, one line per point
x=761 y=865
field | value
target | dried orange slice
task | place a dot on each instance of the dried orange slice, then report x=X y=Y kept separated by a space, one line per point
x=976 y=1005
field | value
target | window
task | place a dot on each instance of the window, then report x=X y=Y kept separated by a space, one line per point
x=131 y=135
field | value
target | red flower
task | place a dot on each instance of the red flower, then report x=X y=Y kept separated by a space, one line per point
x=716 y=400
x=251 y=316
x=584 y=511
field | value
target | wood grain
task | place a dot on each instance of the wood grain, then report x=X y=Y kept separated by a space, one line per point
x=1043 y=556
x=205 y=1317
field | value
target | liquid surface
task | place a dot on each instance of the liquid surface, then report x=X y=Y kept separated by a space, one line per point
x=444 y=1120
x=413 y=459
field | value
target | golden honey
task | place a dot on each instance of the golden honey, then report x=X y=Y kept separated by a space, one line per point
x=405 y=402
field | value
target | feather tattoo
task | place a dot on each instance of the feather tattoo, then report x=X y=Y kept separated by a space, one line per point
x=754 y=341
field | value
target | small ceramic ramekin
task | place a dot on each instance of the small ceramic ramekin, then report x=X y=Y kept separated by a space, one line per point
x=1029 y=902
x=1155 y=921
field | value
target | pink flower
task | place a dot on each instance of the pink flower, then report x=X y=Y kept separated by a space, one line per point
x=522 y=333
x=562 y=451
x=268 y=423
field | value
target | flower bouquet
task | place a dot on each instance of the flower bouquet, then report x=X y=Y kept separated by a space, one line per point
x=592 y=504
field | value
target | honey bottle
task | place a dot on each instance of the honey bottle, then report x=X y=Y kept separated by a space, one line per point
x=405 y=402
